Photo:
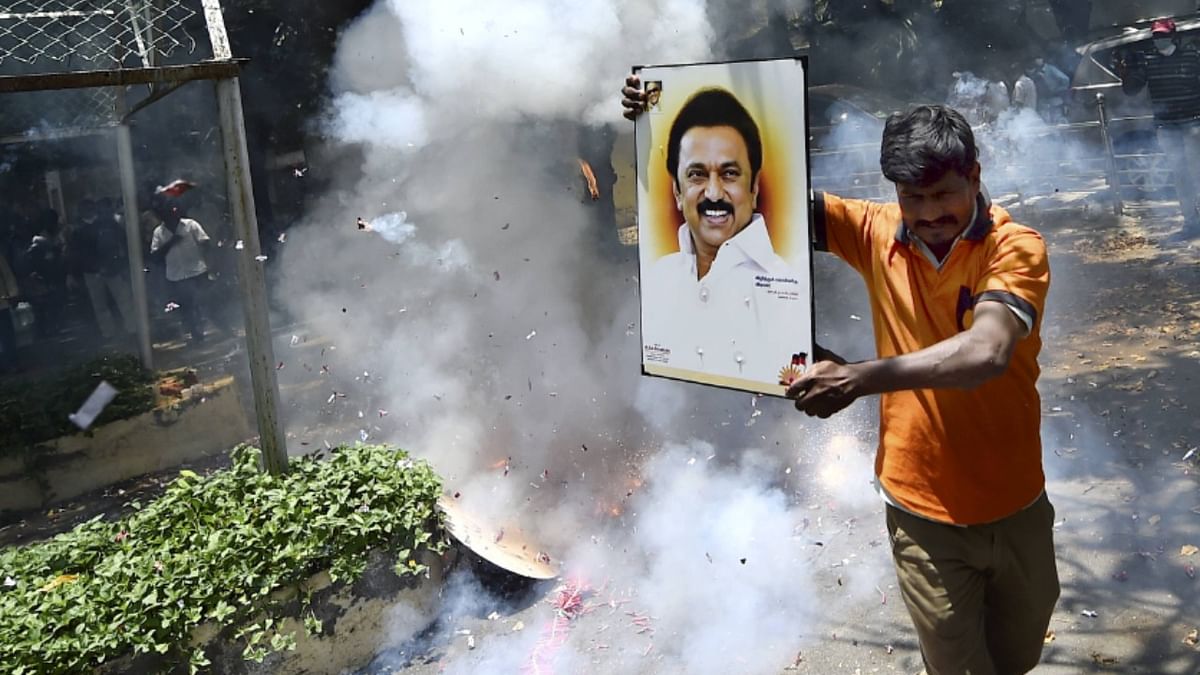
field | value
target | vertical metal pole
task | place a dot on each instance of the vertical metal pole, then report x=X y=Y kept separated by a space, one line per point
x=133 y=236
x=251 y=277
x=1114 y=176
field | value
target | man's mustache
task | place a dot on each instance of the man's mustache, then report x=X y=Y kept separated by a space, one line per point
x=709 y=205
x=944 y=220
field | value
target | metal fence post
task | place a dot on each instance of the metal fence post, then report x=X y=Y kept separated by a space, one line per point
x=133 y=235
x=1114 y=176
x=251 y=278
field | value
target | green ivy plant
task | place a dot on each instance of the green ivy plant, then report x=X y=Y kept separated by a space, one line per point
x=212 y=549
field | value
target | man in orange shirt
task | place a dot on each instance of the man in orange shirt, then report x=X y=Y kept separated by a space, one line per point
x=957 y=293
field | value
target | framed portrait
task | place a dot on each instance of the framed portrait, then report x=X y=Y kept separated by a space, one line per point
x=725 y=251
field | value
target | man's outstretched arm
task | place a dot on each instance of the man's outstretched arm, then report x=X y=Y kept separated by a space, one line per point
x=964 y=361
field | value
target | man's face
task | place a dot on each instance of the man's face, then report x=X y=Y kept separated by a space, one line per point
x=938 y=212
x=713 y=189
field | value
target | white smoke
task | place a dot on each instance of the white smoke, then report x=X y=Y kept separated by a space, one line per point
x=470 y=61
x=494 y=319
x=702 y=528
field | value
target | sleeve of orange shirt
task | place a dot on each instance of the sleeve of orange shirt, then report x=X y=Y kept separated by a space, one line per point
x=1018 y=273
x=843 y=227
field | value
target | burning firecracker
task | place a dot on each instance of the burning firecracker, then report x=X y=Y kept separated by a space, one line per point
x=590 y=177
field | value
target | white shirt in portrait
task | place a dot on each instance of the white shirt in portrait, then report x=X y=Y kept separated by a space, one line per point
x=745 y=319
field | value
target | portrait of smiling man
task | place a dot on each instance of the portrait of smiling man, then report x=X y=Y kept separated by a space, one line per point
x=717 y=304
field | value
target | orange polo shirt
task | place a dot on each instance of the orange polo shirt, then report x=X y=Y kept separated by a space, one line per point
x=952 y=455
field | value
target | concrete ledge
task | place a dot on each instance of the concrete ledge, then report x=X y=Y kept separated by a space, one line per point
x=355 y=625
x=209 y=423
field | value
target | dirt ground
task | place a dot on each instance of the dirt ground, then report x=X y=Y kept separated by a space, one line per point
x=1121 y=398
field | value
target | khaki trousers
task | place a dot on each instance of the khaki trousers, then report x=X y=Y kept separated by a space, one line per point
x=980 y=596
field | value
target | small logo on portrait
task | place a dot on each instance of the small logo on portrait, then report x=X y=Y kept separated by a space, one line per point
x=789 y=373
x=654 y=96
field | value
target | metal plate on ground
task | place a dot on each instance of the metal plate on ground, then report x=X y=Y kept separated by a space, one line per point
x=505 y=547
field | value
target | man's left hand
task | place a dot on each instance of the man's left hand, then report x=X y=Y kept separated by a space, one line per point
x=825 y=388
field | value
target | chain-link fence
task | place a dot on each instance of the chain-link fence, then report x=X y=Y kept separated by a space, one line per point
x=74 y=35
x=71 y=36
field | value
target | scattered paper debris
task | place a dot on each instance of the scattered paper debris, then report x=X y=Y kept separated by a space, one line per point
x=282 y=238
x=95 y=404
x=518 y=626
x=1091 y=614
x=174 y=188
x=493 y=616
x=531 y=334
x=1192 y=638
x=855 y=317
x=171 y=307
x=1188 y=549
x=295 y=340
x=260 y=258
x=240 y=245
x=10 y=582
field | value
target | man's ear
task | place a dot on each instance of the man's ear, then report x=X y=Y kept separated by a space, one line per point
x=754 y=190
x=974 y=177
x=678 y=195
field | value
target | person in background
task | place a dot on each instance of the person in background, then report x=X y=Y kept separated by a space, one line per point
x=1052 y=86
x=995 y=96
x=45 y=270
x=1024 y=91
x=181 y=243
x=96 y=252
x=1171 y=73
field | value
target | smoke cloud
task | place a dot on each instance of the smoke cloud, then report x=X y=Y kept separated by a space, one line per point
x=485 y=317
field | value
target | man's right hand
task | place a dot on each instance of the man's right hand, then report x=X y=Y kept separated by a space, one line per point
x=633 y=99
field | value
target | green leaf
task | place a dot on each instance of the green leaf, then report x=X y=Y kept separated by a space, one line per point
x=212 y=549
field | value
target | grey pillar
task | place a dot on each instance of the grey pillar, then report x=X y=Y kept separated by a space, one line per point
x=251 y=277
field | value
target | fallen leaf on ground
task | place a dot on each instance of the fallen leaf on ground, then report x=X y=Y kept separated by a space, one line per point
x=1192 y=638
x=1188 y=549
x=59 y=581
x=1049 y=637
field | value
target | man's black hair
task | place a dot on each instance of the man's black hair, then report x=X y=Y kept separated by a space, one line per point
x=923 y=143
x=714 y=108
